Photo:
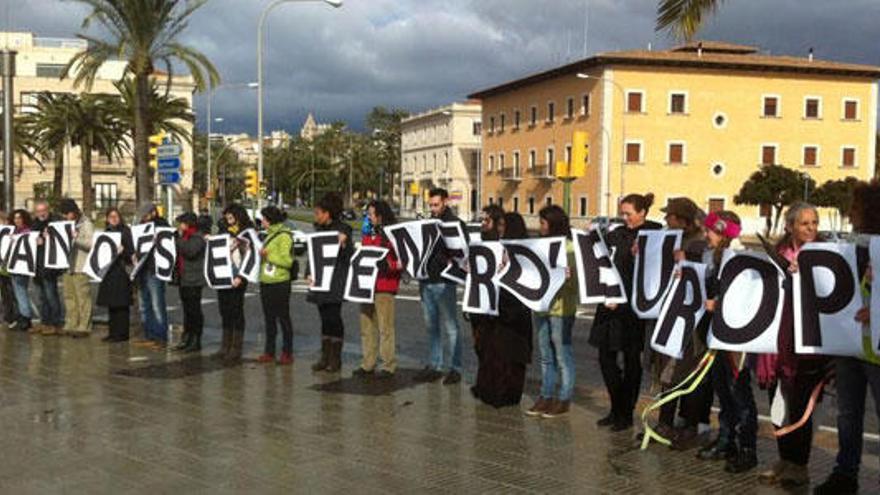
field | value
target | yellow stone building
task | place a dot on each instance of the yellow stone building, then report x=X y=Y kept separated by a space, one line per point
x=695 y=121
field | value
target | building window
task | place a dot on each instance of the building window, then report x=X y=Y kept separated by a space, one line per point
x=677 y=103
x=719 y=121
x=551 y=111
x=515 y=119
x=532 y=158
x=850 y=109
x=716 y=204
x=569 y=108
x=105 y=195
x=548 y=200
x=500 y=201
x=501 y=123
x=551 y=161
x=531 y=205
x=491 y=125
x=635 y=101
x=633 y=152
x=50 y=70
x=812 y=108
x=675 y=153
x=533 y=118
x=478 y=128
x=491 y=200
x=811 y=156
x=768 y=154
x=585 y=104
x=445 y=161
x=848 y=156
x=491 y=163
x=568 y=154
x=771 y=106
x=433 y=162
x=582 y=206
x=718 y=169
x=516 y=163
x=516 y=204
x=501 y=162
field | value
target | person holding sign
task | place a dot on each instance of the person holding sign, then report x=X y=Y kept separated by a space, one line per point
x=555 y=327
x=7 y=295
x=855 y=375
x=46 y=279
x=275 y=264
x=616 y=328
x=328 y=213
x=153 y=311
x=793 y=377
x=377 y=319
x=190 y=268
x=114 y=292
x=77 y=292
x=231 y=301
x=21 y=219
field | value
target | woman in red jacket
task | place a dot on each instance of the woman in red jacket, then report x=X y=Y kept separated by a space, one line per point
x=377 y=319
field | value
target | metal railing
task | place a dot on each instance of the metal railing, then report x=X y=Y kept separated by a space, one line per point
x=61 y=43
x=546 y=172
x=511 y=173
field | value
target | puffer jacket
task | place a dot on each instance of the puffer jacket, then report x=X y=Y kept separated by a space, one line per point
x=191 y=256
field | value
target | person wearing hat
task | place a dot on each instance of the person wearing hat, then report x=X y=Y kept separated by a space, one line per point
x=190 y=269
x=75 y=283
x=153 y=312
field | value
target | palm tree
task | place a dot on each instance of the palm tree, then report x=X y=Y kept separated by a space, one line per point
x=50 y=130
x=168 y=112
x=683 y=18
x=144 y=33
x=95 y=127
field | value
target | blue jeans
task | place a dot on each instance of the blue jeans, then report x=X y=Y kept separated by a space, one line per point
x=154 y=314
x=554 y=340
x=49 y=301
x=439 y=309
x=854 y=376
x=738 y=419
x=22 y=298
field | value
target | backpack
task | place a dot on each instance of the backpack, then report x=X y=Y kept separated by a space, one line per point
x=294 y=268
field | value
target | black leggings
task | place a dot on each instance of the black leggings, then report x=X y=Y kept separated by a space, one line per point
x=795 y=447
x=276 y=310
x=231 y=303
x=119 y=321
x=331 y=320
x=193 y=320
x=623 y=384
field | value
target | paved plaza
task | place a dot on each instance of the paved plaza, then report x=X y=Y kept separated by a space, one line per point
x=81 y=416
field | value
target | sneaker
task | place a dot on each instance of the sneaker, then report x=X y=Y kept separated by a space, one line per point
x=541 y=406
x=427 y=375
x=452 y=378
x=285 y=359
x=745 y=460
x=773 y=476
x=717 y=451
x=361 y=373
x=266 y=358
x=838 y=484
x=558 y=408
x=12 y=325
x=606 y=421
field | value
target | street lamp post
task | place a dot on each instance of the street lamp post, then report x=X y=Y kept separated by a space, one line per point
x=263 y=15
x=617 y=85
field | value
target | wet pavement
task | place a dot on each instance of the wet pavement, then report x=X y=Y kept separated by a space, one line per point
x=80 y=416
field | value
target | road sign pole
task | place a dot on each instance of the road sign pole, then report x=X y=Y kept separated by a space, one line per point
x=170 y=194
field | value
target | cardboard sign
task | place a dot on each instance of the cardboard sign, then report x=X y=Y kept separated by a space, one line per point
x=105 y=249
x=457 y=248
x=323 y=252
x=143 y=236
x=748 y=280
x=360 y=285
x=6 y=234
x=654 y=265
x=535 y=270
x=682 y=310
x=22 y=258
x=474 y=232
x=165 y=253
x=250 y=262
x=826 y=300
x=874 y=248
x=599 y=282
x=218 y=262
x=413 y=243
x=59 y=243
x=481 y=290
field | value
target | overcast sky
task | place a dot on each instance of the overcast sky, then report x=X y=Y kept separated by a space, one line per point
x=417 y=54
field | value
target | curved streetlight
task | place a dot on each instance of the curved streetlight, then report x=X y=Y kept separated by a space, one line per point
x=582 y=75
x=263 y=15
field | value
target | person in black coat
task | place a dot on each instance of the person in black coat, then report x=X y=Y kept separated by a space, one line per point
x=327 y=218
x=616 y=328
x=114 y=292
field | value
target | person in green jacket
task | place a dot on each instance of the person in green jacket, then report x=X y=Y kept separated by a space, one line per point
x=555 y=326
x=275 y=265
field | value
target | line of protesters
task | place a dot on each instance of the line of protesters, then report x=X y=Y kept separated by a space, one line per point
x=503 y=344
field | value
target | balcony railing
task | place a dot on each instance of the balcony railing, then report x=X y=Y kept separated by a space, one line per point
x=60 y=43
x=544 y=172
x=512 y=174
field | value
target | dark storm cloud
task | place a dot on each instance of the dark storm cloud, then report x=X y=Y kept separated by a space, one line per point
x=414 y=54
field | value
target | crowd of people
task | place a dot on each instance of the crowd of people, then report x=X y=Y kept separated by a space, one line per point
x=503 y=344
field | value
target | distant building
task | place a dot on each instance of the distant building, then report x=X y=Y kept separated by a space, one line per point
x=311 y=129
x=696 y=120
x=441 y=148
x=39 y=65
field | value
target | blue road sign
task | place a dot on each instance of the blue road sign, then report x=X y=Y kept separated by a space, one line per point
x=169 y=164
x=169 y=177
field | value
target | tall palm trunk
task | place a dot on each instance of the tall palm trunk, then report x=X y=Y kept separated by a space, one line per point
x=141 y=138
x=88 y=192
x=58 y=179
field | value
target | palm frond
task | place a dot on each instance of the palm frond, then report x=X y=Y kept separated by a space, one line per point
x=683 y=18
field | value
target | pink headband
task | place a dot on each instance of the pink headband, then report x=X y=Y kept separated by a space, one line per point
x=727 y=228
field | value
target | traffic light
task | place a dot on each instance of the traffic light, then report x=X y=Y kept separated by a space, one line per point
x=561 y=169
x=580 y=154
x=251 y=184
x=156 y=140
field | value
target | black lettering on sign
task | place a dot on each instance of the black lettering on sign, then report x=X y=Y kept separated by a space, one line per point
x=217 y=260
x=322 y=265
x=515 y=253
x=412 y=255
x=812 y=304
x=667 y=264
x=59 y=245
x=363 y=264
x=6 y=243
x=593 y=266
x=480 y=280
x=97 y=262
x=22 y=253
x=165 y=253
x=679 y=308
x=763 y=315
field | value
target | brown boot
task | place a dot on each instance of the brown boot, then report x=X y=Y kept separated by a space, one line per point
x=225 y=345
x=321 y=365
x=234 y=354
x=334 y=357
x=50 y=330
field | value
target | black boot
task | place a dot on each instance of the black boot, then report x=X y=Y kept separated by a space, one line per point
x=225 y=345
x=237 y=342
x=745 y=460
x=321 y=365
x=185 y=340
x=195 y=344
x=334 y=356
x=838 y=484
